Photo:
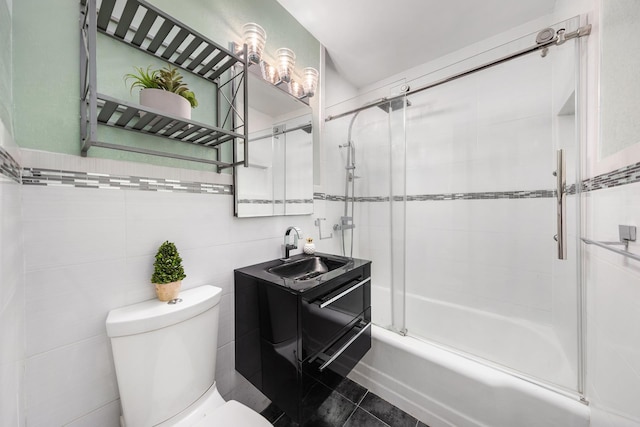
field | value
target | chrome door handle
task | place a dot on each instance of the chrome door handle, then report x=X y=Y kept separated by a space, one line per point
x=561 y=197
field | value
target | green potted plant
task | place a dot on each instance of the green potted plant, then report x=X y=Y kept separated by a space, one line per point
x=164 y=90
x=167 y=272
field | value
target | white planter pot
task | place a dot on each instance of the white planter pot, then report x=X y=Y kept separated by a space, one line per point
x=166 y=102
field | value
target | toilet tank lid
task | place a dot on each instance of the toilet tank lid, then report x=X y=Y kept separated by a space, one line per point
x=154 y=314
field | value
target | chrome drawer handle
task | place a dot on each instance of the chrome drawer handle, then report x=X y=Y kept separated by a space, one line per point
x=343 y=348
x=341 y=294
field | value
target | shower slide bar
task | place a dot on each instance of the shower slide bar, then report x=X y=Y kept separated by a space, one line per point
x=627 y=234
x=543 y=42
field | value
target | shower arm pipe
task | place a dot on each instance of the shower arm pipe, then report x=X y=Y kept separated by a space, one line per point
x=558 y=39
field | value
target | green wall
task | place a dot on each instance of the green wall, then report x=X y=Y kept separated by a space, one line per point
x=47 y=77
x=6 y=95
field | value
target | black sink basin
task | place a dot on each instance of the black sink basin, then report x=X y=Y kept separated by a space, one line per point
x=307 y=268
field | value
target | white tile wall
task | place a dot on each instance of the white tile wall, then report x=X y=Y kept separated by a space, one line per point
x=69 y=382
x=613 y=290
x=88 y=251
x=101 y=417
x=11 y=393
x=12 y=296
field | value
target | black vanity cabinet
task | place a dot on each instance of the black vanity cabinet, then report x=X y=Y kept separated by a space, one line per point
x=290 y=335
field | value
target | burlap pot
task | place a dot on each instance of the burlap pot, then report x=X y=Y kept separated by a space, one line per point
x=168 y=291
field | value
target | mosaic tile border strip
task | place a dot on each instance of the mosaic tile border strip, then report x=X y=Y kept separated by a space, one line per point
x=488 y=195
x=38 y=176
x=259 y=201
x=45 y=177
x=8 y=166
x=627 y=175
x=274 y=202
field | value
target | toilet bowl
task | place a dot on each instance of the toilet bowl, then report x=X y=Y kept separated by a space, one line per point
x=165 y=356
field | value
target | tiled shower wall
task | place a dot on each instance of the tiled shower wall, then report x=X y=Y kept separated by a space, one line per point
x=612 y=282
x=613 y=292
x=475 y=164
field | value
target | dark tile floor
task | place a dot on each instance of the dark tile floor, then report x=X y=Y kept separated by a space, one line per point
x=349 y=405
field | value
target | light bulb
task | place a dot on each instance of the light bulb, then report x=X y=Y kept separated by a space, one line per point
x=286 y=62
x=269 y=73
x=255 y=37
x=310 y=81
x=296 y=89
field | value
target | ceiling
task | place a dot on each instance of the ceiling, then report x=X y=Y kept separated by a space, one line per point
x=369 y=40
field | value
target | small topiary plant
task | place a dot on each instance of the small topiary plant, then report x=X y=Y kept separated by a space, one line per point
x=168 y=265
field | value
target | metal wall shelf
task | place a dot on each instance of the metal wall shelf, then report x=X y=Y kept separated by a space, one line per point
x=167 y=39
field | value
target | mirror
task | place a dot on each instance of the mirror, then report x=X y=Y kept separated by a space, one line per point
x=620 y=86
x=279 y=179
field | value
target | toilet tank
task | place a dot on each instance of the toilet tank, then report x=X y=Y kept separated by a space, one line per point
x=164 y=354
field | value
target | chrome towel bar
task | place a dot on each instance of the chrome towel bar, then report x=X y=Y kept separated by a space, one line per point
x=627 y=234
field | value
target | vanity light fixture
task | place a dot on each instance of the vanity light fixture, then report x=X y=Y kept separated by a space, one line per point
x=255 y=37
x=280 y=74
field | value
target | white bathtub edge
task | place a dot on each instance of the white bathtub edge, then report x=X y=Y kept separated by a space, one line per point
x=446 y=411
x=363 y=374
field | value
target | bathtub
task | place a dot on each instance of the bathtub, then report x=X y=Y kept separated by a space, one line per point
x=518 y=344
x=442 y=388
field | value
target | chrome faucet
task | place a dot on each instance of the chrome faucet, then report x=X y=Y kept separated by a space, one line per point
x=288 y=246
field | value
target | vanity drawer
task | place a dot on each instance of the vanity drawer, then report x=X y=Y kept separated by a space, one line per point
x=343 y=354
x=326 y=315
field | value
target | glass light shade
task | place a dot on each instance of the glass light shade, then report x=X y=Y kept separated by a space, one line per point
x=255 y=37
x=310 y=81
x=286 y=61
x=296 y=89
x=269 y=73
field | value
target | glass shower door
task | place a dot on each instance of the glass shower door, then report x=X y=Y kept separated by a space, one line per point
x=482 y=273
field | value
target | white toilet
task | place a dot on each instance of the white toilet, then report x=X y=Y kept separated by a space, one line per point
x=165 y=358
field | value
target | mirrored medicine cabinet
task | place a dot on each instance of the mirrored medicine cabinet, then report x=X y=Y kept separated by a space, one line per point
x=279 y=176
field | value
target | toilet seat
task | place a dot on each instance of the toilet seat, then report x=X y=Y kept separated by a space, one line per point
x=211 y=410
x=235 y=414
